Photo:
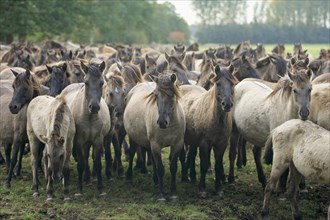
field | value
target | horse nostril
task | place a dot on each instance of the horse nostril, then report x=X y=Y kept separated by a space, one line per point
x=223 y=103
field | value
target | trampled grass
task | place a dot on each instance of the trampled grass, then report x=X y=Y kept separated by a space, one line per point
x=138 y=200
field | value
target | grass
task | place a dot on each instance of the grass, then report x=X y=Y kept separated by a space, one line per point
x=313 y=49
x=138 y=200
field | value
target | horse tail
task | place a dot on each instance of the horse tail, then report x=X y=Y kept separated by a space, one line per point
x=268 y=156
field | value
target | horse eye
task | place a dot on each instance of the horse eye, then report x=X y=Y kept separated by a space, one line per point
x=295 y=91
x=111 y=93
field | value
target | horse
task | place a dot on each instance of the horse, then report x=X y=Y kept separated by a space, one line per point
x=13 y=119
x=58 y=79
x=303 y=147
x=7 y=73
x=279 y=49
x=258 y=109
x=260 y=50
x=114 y=95
x=324 y=78
x=49 y=121
x=92 y=121
x=271 y=68
x=154 y=118
x=209 y=124
x=320 y=104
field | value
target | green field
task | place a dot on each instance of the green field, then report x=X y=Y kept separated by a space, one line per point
x=138 y=201
x=313 y=49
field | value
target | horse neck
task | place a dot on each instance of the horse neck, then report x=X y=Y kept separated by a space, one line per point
x=283 y=109
x=211 y=97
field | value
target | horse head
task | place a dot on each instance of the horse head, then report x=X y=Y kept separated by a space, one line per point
x=25 y=89
x=93 y=85
x=59 y=78
x=165 y=95
x=300 y=83
x=224 y=81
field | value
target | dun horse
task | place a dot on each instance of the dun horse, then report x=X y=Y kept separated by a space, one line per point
x=92 y=121
x=154 y=118
x=258 y=109
x=50 y=121
x=209 y=123
x=303 y=147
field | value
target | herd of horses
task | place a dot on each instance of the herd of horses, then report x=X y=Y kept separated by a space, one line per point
x=61 y=99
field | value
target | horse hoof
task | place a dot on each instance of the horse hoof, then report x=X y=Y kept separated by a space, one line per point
x=66 y=199
x=102 y=194
x=78 y=195
x=174 y=198
x=203 y=195
x=221 y=195
x=6 y=185
x=161 y=200
x=303 y=191
x=35 y=194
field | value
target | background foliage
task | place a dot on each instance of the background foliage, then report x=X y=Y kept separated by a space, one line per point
x=89 y=21
x=273 y=21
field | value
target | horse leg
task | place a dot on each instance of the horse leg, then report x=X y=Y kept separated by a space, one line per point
x=149 y=156
x=87 y=177
x=97 y=151
x=80 y=166
x=7 y=153
x=257 y=156
x=132 y=150
x=117 y=148
x=141 y=158
x=13 y=161
x=50 y=187
x=66 y=179
x=107 y=155
x=19 y=164
x=234 y=140
x=34 y=148
x=175 y=151
x=244 y=158
x=156 y=153
x=293 y=187
x=278 y=168
x=219 y=151
x=41 y=150
x=2 y=160
x=184 y=170
x=192 y=152
x=204 y=157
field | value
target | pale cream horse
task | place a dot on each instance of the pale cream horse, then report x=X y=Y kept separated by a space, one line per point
x=49 y=121
x=154 y=118
x=258 y=109
x=92 y=121
x=302 y=146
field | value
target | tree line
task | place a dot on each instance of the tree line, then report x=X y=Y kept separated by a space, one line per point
x=273 y=21
x=87 y=21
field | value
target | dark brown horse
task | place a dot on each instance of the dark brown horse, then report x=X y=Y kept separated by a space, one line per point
x=271 y=68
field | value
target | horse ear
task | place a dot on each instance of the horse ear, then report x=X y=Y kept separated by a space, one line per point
x=61 y=140
x=49 y=69
x=217 y=69
x=102 y=66
x=27 y=74
x=309 y=73
x=62 y=52
x=292 y=61
x=307 y=61
x=14 y=72
x=120 y=67
x=167 y=57
x=193 y=54
x=84 y=67
x=183 y=55
x=64 y=67
x=231 y=68
x=70 y=54
x=173 y=78
x=290 y=75
x=153 y=78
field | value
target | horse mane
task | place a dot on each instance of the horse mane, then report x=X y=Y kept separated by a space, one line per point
x=166 y=86
x=284 y=84
x=227 y=74
x=117 y=80
x=94 y=70
x=59 y=116
x=132 y=73
x=31 y=82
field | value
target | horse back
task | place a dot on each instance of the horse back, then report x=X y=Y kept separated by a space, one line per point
x=320 y=105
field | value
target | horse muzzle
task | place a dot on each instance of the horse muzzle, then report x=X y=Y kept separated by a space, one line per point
x=94 y=109
x=303 y=114
x=226 y=106
x=14 y=108
x=162 y=124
